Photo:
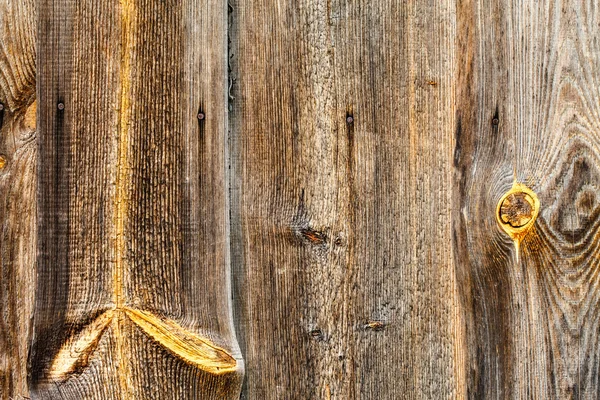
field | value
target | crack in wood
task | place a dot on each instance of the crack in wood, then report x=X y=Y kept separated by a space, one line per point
x=121 y=183
x=122 y=161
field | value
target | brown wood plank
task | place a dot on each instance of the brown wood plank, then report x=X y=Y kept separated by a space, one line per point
x=18 y=157
x=527 y=111
x=364 y=146
x=342 y=138
x=132 y=298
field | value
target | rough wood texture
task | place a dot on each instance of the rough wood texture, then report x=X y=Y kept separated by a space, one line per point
x=18 y=152
x=528 y=110
x=384 y=239
x=132 y=300
x=342 y=133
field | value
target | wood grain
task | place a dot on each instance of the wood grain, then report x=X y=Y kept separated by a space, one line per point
x=528 y=110
x=18 y=157
x=132 y=300
x=341 y=227
x=370 y=144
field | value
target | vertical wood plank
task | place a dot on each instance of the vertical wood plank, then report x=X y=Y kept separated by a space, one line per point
x=527 y=111
x=132 y=298
x=342 y=139
x=78 y=86
x=17 y=192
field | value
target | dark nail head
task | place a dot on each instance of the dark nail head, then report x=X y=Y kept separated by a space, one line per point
x=495 y=121
x=1 y=106
x=201 y=116
x=61 y=106
x=349 y=119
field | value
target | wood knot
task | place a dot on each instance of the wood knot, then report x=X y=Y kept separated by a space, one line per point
x=317 y=335
x=376 y=326
x=517 y=210
x=313 y=236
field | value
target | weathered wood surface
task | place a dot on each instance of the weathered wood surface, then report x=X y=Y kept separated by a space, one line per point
x=528 y=109
x=17 y=192
x=341 y=227
x=370 y=143
x=132 y=300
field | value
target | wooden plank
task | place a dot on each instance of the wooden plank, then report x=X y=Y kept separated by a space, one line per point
x=528 y=106
x=342 y=139
x=18 y=155
x=132 y=298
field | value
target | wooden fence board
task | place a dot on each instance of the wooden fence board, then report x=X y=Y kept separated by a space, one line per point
x=18 y=155
x=342 y=135
x=527 y=104
x=132 y=298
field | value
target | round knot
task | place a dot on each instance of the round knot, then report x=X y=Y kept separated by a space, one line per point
x=517 y=209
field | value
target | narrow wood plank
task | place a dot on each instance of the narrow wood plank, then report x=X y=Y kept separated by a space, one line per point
x=133 y=293
x=342 y=137
x=18 y=157
x=78 y=86
x=528 y=111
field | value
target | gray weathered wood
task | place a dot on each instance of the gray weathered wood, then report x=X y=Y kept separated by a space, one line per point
x=18 y=152
x=132 y=300
x=531 y=315
x=342 y=236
